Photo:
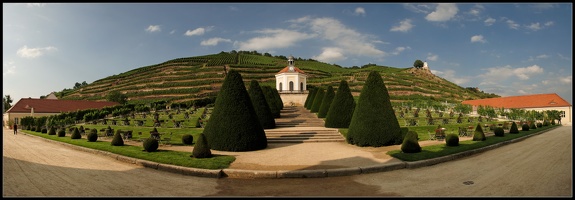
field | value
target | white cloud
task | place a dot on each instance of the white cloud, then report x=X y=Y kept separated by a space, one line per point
x=489 y=21
x=330 y=55
x=172 y=32
x=545 y=82
x=478 y=38
x=35 y=4
x=534 y=26
x=214 y=41
x=198 y=31
x=549 y=23
x=404 y=26
x=273 y=38
x=496 y=74
x=26 y=52
x=563 y=57
x=8 y=68
x=566 y=80
x=418 y=8
x=443 y=12
x=359 y=11
x=153 y=28
x=524 y=72
x=512 y=24
x=398 y=50
x=432 y=57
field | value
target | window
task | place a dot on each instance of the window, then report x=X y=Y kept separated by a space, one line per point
x=281 y=87
x=291 y=86
x=562 y=114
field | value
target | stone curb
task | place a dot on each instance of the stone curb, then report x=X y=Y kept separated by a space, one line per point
x=318 y=173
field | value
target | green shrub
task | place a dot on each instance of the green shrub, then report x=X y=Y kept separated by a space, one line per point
x=539 y=124
x=202 y=148
x=261 y=106
x=44 y=130
x=452 y=140
x=234 y=124
x=62 y=133
x=525 y=127
x=317 y=100
x=410 y=143
x=278 y=98
x=188 y=139
x=52 y=131
x=150 y=144
x=478 y=135
x=76 y=134
x=271 y=99
x=33 y=128
x=326 y=102
x=93 y=135
x=81 y=129
x=38 y=129
x=118 y=140
x=532 y=125
x=552 y=122
x=309 y=99
x=545 y=123
x=373 y=122
x=341 y=109
x=499 y=132
x=513 y=128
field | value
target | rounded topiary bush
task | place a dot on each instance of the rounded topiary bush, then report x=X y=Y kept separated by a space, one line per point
x=513 y=128
x=61 y=133
x=478 y=135
x=76 y=134
x=93 y=135
x=117 y=140
x=33 y=128
x=44 y=130
x=52 y=131
x=410 y=143
x=525 y=127
x=202 y=148
x=188 y=139
x=452 y=140
x=150 y=144
x=499 y=132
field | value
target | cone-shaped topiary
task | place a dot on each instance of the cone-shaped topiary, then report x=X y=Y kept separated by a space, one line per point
x=326 y=102
x=478 y=135
x=62 y=133
x=310 y=97
x=188 y=139
x=202 y=148
x=317 y=100
x=261 y=105
x=117 y=140
x=373 y=122
x=52 y=131
x=499 y=132
x=76 y=134
x=279 y=102
x=150 y=144
x=234 y=124
x=525 y=127
x=272 y=101
x=452 y=140
x=81 y=129
x=513 y=128
x=341 y=108
x=93 y=135
x=410 y=143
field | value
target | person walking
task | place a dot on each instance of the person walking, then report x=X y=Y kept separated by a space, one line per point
x=15 y=129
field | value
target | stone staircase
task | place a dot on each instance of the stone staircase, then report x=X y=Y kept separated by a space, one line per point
x=296 y=125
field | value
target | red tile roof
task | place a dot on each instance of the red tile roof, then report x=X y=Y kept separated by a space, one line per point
x=286 y=69
x=526 y=101
x=56 y=105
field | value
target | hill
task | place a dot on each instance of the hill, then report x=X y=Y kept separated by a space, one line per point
x=199 y=77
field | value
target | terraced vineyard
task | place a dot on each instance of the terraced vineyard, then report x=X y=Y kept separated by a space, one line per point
x=191 y=78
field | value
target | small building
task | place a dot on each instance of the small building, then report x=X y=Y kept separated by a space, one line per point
x=291 y=83
x=46 y=107
x=291 y=79
x=537 y=102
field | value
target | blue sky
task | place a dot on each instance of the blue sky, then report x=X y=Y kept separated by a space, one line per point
x=504 y=48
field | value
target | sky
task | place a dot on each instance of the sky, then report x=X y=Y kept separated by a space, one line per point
x=508 y=49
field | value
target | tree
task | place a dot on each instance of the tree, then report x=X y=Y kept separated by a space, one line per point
x=418 y=64
x=7 y=102
x=341 y=108
x=326 y=102
x=234 y=124
x=309 y=99
x=117 y=96
x=317 y=100
x=272 y=100
x=261 y=105
x=373 y=122
x=202 y=148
